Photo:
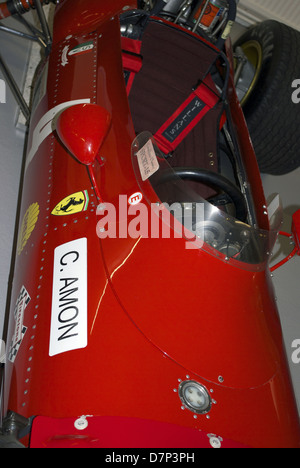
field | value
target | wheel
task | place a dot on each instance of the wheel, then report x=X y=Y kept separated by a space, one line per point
x=211 y=179
x=272 y=50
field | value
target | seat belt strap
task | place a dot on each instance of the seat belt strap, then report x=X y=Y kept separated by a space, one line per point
x=185 y=118
x=132 y=60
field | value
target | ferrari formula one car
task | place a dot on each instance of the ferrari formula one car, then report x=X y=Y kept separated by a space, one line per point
x=143 y=312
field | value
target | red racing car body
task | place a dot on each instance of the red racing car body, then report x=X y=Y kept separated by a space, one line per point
x=137 y=340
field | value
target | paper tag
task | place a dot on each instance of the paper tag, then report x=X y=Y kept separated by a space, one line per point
x=147 y=161
x=227 y=30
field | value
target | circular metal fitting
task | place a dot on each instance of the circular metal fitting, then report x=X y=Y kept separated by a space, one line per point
x=194 y=397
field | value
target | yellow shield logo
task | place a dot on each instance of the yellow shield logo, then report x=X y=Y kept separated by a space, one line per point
x=75 y=203
x=28 y=225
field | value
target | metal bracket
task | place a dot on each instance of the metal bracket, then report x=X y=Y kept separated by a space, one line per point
x=294 y=238
x=43 y=37
x=14 y=428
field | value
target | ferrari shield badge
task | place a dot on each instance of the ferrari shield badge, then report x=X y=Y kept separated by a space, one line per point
x=75 y=203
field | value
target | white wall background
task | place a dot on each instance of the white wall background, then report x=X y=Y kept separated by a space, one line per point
x=287 y=11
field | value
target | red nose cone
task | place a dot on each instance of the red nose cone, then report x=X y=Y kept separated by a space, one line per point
x=82 y=129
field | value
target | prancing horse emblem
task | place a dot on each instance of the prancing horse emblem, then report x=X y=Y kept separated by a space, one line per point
x=75 y=203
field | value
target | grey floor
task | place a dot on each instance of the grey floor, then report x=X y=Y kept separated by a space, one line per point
x=286 y=280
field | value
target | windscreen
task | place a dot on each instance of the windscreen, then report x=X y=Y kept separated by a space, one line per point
x=202 y=224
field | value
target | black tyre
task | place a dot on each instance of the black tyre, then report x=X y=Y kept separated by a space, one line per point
x=272 y=116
